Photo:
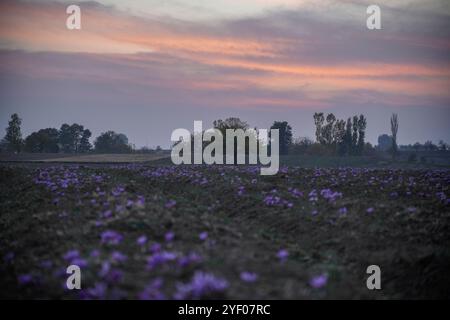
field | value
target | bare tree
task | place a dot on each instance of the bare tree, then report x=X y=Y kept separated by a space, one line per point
x=394 y=130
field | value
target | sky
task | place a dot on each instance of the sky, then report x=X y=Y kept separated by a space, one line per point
x=147 y=67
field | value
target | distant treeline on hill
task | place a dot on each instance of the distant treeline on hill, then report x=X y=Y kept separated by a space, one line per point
x=333 y=137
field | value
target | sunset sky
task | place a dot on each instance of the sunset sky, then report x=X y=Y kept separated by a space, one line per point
x=147 y=67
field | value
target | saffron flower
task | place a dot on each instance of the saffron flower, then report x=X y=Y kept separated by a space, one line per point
x=318 y=281
x=248 y=276
x=283 y=255
x=169 y=236
x=141 y=240
x=153 y=291
x=170 y=204
x=117 y=256
x=111 y=237
x=71 y=255
x=160 y=258
x=203 y=235
x=190 y=259
x=201 y=285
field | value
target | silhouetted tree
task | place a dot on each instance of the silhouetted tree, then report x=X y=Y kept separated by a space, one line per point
x=394 y=130
x=111 y=142
x=327 y=130
x=230 y=123
x=355 y=135
x=44 y=140
x=362 y=123
x=74 y=138
x=384 y=142
x=235 y=124
x=13 y=138
x=85 y=145
x=347 y=141
x=318 y=121
x=285 y=135
x=339 y=137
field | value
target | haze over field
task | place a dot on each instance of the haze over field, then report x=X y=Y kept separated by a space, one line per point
x=147 y=67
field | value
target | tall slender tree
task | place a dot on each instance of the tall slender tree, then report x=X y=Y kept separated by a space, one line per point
x=13 y=137
x=347 y=141
x=362 y=123
x=394 y=130
x=355 y=135
x=318 y=121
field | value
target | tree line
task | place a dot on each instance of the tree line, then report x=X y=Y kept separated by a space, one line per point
x=332 y=137
x=68 y=139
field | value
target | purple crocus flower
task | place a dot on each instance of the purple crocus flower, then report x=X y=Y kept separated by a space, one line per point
x=248 y=276
x=169 y=236
x=141 y=240
x=156 y=247
x=117 y=256
x=370 y=210
x=160 y=258
x=140 y=202
x=153 y=291
x=71 y=255
x=96 y=292
x=190 y=259
x=25 y=279
x=107 y=214
x=170 y=204
x=318 y=281
x=283 y=254
x=203 y=235
x=201 y=285
x=95 y=253
x=82 y=263
x=111 y=237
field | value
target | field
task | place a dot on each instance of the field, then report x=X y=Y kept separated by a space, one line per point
x=143 y=231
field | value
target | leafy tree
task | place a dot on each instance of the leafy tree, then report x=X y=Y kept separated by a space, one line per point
x=74 y=138
x=44 y=140
x=230 y=123
x=285 y=135
x=13 y=137
x=339 y=137
x=235 y=124
x=354 y=135
x=65 y=138
x=318 y=121
x=347 y=141
x=85 y=145
x=394 y=130
x=327 y=130
x=384 y=142
x=112 y=142
x=362 y=123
